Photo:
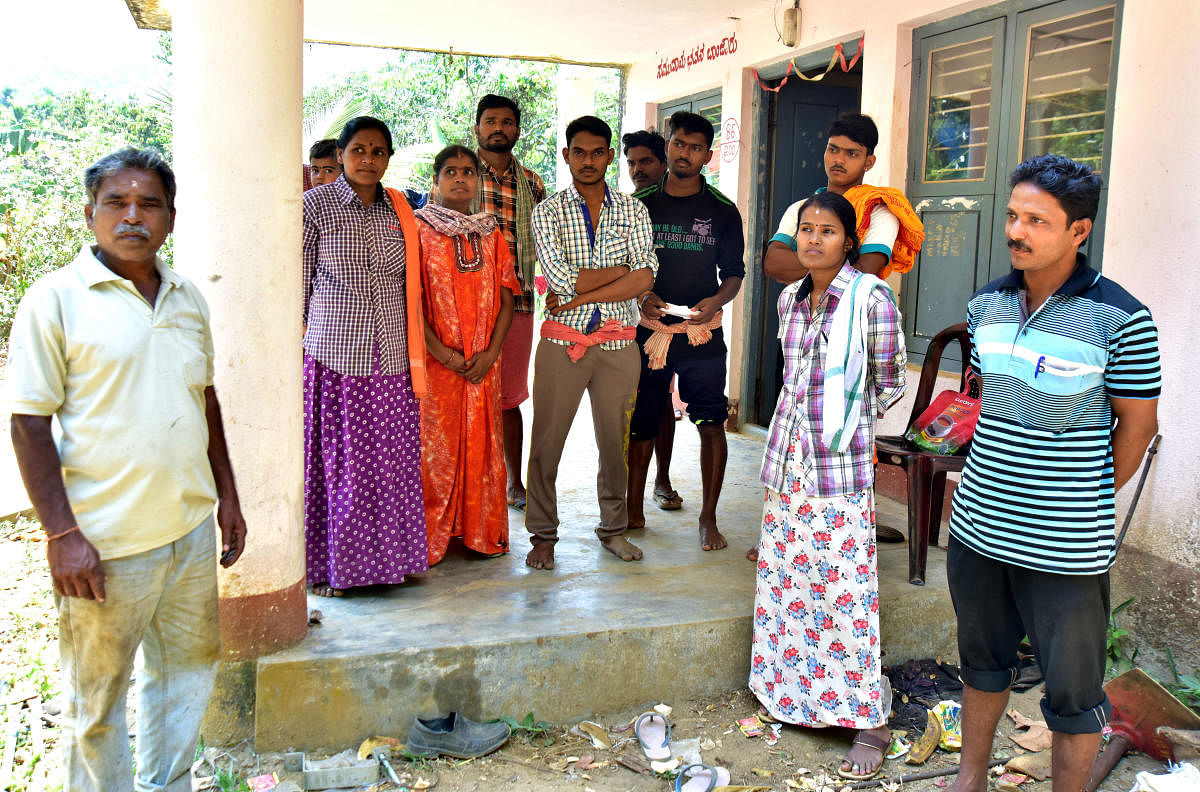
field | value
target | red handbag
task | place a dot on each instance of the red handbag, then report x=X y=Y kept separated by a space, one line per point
x=948 y=423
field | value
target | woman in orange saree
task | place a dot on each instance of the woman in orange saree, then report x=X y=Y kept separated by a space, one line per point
x=469 y=280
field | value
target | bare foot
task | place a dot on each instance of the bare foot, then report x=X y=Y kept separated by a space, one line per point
x=326 y=590
x=541 y=556
x=622 y=548
x=752 y=554
x=637 y=519
x=864 y=758
x=711 y=538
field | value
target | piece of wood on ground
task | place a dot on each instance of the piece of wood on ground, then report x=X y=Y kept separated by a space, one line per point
x=635 y=763
x=1185 y=743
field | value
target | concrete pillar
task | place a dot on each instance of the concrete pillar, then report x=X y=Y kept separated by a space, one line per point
x=237 y=119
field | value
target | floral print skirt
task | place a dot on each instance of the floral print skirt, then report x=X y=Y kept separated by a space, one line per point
x=815 y=650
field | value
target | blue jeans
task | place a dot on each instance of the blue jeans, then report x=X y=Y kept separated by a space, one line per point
x=165 y=602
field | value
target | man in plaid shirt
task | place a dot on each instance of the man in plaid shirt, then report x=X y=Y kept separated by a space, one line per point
x=509 y=191
x=596 y=248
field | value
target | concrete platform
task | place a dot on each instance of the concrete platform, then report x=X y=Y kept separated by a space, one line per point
x=595 y=635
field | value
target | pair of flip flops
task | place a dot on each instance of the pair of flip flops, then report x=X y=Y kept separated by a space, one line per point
x=653 y=733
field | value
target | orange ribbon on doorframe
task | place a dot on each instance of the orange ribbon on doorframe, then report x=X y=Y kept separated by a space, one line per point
x=838 y=57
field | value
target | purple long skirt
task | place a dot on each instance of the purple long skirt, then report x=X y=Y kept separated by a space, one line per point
x=364 y=514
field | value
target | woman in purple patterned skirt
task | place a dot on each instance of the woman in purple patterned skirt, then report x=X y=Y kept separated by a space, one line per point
x=364 y=515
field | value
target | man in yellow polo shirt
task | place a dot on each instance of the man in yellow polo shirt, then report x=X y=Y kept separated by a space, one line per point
x=117 y=347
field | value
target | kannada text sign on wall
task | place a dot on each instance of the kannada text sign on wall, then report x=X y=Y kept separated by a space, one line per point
x=699 y=54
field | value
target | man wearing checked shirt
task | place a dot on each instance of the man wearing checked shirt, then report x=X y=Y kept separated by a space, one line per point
x=596 y=248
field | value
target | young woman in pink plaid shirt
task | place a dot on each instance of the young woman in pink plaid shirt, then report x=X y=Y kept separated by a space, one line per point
x=815 y=657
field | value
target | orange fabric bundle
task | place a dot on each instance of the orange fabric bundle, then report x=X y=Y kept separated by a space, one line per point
x=611 y=330
x=412 y=289
x=658 y=344
x=866 y=197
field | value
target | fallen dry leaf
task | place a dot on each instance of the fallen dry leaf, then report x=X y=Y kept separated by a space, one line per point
x=1036 y=765
x=1019 y=720
x=594 y=732
x=664 y=767
x=761 y=772
x=371 y=743
x=707 y=744
x=1036 y=738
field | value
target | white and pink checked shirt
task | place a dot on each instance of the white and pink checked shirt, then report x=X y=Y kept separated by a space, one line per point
x=354 y=269
x=795 y=460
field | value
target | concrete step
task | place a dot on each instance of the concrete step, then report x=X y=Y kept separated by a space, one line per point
x=595 y=635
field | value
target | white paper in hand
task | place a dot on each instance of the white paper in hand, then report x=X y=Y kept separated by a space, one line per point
x=682 y=311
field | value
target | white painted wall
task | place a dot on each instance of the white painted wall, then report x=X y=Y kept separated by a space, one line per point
x=1149 y=238
x=1150 y=245
x=238 y=238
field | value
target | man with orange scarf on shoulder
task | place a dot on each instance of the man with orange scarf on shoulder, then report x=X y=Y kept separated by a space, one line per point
x=890 y=230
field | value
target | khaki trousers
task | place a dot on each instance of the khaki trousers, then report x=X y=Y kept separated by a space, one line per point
x=610 y=378
x=165 y=602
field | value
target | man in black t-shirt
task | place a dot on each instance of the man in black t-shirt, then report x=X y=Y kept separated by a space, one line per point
x=699 y=242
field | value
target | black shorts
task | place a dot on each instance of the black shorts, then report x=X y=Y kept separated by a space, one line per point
x=1065 y=617
x=701 y=387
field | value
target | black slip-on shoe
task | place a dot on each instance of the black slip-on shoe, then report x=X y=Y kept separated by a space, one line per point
x=456 y=736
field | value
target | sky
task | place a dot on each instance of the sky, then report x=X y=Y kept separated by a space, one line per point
x=95 y=44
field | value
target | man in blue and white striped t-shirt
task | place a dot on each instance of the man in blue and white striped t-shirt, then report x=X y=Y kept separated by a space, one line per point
x=1063 y=353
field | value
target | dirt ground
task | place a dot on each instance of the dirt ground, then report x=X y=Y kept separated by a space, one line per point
x=802 y=759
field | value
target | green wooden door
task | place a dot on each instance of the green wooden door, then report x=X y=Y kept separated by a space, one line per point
x=991 y=89
x=953 y=173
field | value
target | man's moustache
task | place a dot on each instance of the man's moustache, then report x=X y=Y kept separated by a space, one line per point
x=1015 y=245
x=125 y=228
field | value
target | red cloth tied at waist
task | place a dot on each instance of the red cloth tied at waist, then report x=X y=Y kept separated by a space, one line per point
x=611 y=330
x=659 y=343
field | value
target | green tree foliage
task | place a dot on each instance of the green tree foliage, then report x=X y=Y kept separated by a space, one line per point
x=45 y=145
x=428 y=100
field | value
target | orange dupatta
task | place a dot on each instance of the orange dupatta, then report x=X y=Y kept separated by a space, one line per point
x=412 y=291
x=864 y=198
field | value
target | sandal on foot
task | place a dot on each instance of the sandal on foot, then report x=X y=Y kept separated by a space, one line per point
x=653 y=733
x=705 y=779
x=668 y=500
x=877 y=744
x=517 y=503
